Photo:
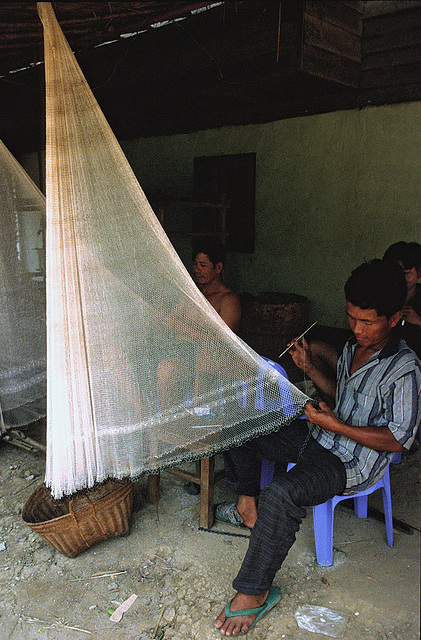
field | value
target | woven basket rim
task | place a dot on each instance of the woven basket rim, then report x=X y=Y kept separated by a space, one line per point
x=121 y=487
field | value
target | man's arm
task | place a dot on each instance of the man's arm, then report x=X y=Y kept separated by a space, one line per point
x=302 y=356
x=378 y=438
x=230 y=310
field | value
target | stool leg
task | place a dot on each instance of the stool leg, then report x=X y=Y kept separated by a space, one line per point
x=152 y=491
x=388 y=518
x=323 y=532
x=267 y=471
x=207 y=482
x=361 y=506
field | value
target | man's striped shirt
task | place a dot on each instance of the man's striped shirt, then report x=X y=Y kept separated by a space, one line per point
x=385 y=391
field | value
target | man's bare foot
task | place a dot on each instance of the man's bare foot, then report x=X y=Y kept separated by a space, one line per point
x=239 y=624
x=247 y=508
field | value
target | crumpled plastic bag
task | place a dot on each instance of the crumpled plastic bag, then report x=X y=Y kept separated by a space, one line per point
x=321 y=620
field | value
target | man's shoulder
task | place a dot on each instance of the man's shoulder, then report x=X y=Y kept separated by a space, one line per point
x=407 y=354
x=229 y=294
x=396 y=355
x=401 y=361
x=397 y=346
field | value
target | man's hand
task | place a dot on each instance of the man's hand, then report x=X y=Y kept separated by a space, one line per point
x=301 y=354
x=379 y=438
x=322 y=415
x=411 y=316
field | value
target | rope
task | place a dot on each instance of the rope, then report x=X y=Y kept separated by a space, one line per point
x=224 y=533
x=304 y=445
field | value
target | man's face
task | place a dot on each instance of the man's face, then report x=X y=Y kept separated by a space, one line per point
x=203 y=270
x=371 y=330
x=411 y=276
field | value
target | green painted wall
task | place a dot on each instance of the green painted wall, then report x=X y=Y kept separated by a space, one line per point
x=331 y=191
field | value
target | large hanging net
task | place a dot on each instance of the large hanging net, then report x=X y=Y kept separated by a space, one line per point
x=22 y=298
x=124 y=315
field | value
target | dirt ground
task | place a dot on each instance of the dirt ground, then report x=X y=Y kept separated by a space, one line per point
x=182 y=575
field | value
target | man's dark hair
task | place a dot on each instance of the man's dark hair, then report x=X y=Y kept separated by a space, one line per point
x=212 y=247
x=377 y=285
x=409 y=253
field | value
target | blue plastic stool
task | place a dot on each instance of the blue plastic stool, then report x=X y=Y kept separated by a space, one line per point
x=397 y=457
x=282 y=403
x=323 y=513
x=267 y=472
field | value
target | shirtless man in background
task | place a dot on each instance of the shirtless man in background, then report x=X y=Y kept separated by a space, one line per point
x=209 y=255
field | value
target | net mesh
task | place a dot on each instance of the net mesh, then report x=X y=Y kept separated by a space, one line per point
x=22 y=299
x=124 y=315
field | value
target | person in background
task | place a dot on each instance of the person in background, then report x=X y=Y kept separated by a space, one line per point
x=340 y=451
x=208 y=256
x=408 y=256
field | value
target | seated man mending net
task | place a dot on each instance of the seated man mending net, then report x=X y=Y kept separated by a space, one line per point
x=337 y=452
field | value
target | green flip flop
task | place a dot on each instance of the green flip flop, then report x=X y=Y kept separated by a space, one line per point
x=273 y=598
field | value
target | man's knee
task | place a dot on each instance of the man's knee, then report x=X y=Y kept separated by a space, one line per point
x=318 y=477
x=282 y=493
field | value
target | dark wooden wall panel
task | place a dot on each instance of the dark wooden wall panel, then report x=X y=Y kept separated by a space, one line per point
x=329 y=37
x=347 y=16
x=393 y=40
x=391 y=49
x=330 y=66
x=390 y=23
x=392 y=57
x=391 y=76
x=332 y=41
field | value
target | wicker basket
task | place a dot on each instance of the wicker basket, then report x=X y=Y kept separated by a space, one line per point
x=74 y=524
x=270 y=320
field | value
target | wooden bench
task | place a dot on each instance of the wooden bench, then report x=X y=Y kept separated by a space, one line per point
x=205 y=477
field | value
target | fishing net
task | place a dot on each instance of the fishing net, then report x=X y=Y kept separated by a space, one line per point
x=142 y=372
x=22 y=298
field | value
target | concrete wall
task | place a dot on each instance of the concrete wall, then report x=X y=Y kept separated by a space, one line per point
x=331 y=191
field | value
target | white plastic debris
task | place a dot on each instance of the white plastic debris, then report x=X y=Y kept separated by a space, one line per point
x=321 y=620
x=125 y=606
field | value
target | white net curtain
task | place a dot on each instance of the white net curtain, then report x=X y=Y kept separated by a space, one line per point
x=142 y=372
x=22 y=298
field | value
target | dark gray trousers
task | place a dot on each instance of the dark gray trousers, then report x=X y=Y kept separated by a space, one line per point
x=317 y=476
